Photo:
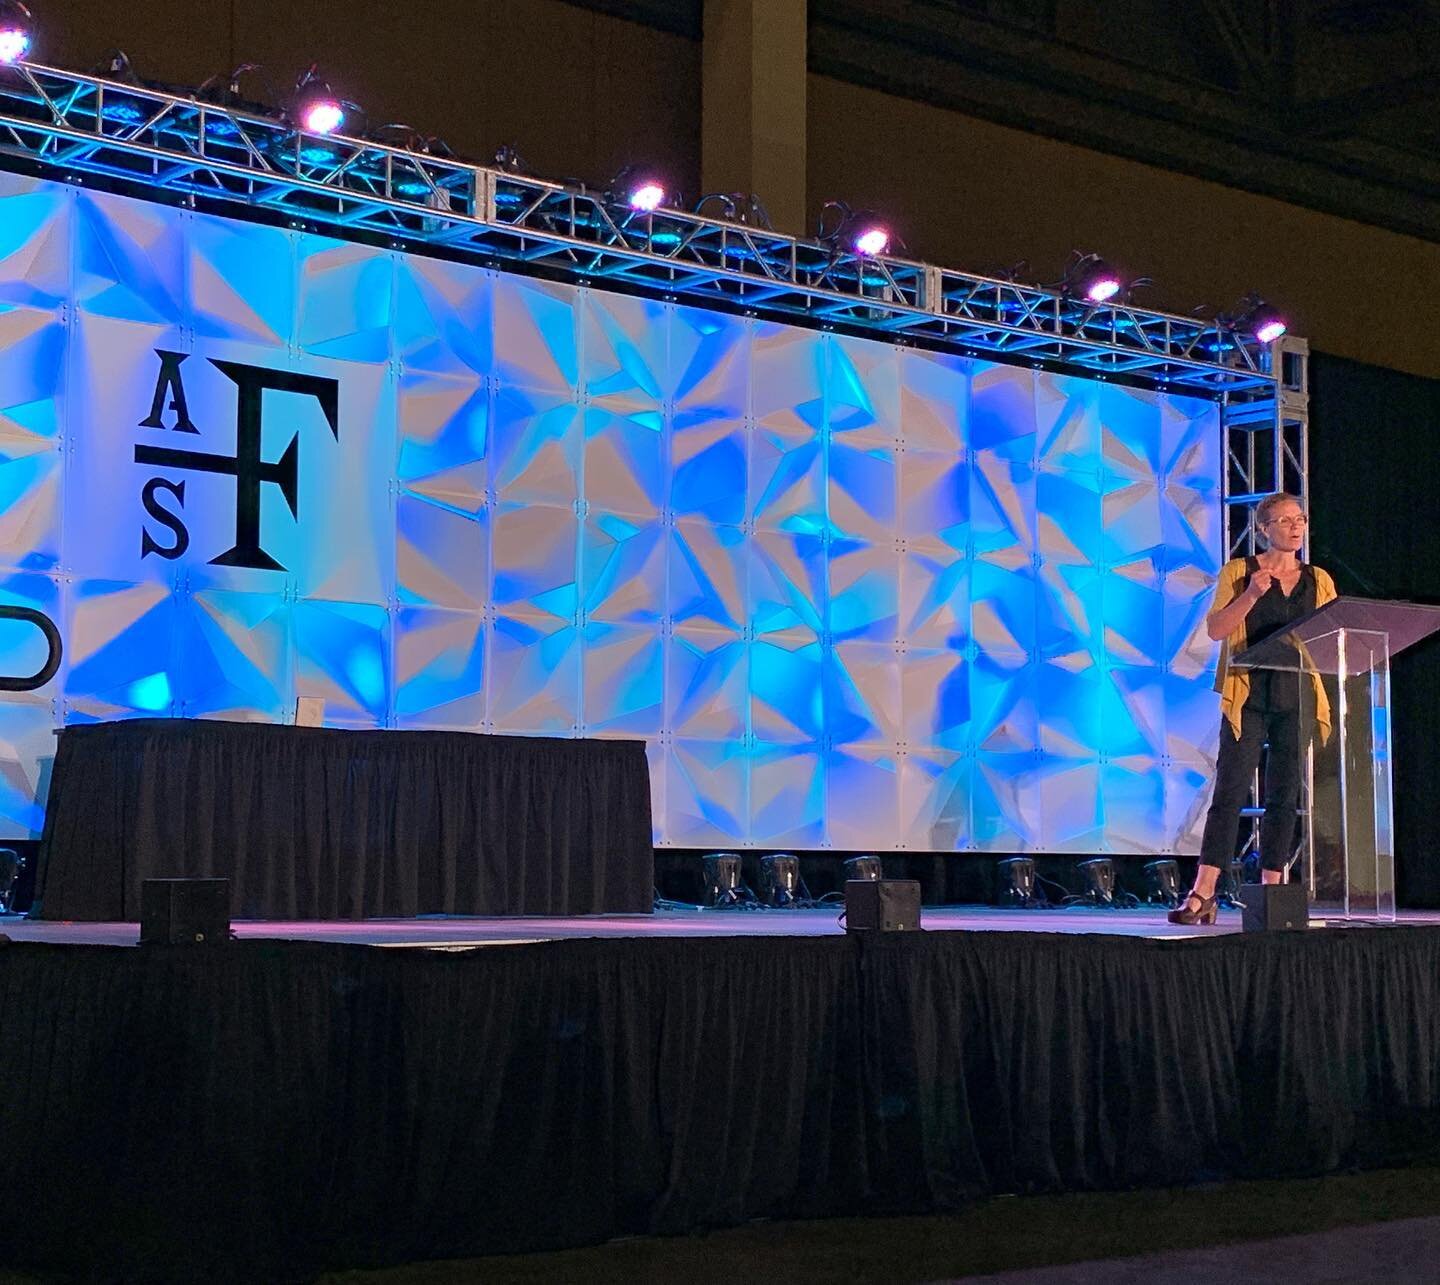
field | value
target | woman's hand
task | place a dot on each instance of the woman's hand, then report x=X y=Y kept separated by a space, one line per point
x=1221 y=623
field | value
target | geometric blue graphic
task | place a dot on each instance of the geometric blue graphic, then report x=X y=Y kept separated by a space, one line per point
x=852 y=595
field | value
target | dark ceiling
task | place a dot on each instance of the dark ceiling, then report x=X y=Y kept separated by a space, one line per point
x=1330 y=104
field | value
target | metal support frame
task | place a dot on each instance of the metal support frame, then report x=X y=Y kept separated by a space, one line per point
x=208 y=156
x=1267 y=443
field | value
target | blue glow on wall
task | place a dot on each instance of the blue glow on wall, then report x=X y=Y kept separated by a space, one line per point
x=851 y=595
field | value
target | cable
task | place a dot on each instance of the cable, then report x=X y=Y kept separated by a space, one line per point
x=1059 y=887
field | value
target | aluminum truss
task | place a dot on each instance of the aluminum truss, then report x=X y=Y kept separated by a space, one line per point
x=173 y=147
x=1267 y=445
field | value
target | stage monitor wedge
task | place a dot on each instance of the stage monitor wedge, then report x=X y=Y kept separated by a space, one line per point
x=882 y=905
x=1275 y=906
x=184 y=912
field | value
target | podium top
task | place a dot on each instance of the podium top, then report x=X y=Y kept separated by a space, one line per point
x=1314 y=642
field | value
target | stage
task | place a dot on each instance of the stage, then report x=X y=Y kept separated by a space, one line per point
x=303 y=1098
x=591 y=537
x=456 y=932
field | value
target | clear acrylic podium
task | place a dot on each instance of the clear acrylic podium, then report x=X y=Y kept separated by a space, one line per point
x=1339 y=657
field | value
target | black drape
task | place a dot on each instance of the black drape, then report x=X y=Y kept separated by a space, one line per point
x=261 y=1106
x=1376 y=528
x=316 y=823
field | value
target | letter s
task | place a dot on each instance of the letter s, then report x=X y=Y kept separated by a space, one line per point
x=165 y=517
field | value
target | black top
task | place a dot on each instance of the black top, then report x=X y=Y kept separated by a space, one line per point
x=1274 y=611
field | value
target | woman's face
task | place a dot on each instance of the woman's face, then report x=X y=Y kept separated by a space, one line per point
x=1285 y=529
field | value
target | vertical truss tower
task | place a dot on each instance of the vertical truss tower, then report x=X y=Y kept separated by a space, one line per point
x=1267 y=443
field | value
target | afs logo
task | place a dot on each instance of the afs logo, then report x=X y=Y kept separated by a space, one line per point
x=245 y=466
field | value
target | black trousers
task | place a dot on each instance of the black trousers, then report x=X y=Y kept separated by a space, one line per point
x=1270 y=716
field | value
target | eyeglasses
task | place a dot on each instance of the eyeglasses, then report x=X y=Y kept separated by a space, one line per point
x=1294 y=524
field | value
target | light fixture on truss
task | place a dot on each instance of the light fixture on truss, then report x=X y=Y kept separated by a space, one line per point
x=640 y=188
x=1091 y=279
x=1262 y=320
x=17 y=31
x=316 y=108
x=861 y=232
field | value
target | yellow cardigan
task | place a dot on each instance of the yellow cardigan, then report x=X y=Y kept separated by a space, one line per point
x=1234 y=685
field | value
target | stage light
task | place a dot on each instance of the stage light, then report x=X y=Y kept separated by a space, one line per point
x=1017 y=876
x=780 y=879
x=16 y=31
x=1164 y=880
x=11 y=864
x=322 y=116
x=1090 y=278
x=640 y=188
x=316 y=108
x=722 y=880
x=871 y=239
x=1256 y=318
x=1103 y=289
x=864 y=868
x=1266 y=323
x=646 y=195
x=1099 y=875
x=1232 y=880
x=861 y=232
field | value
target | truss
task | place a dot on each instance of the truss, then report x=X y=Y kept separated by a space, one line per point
x=172 y=147
x=1267 y=446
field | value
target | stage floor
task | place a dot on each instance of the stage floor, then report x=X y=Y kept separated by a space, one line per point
x=451 y=932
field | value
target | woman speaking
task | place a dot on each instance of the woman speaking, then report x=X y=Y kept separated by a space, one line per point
x=1254 y=598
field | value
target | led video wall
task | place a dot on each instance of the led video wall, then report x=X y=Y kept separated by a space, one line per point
x=852 y=595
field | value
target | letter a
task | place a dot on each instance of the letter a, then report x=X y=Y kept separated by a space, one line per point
x=169 y=383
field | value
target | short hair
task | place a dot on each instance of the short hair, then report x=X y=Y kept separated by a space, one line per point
x=1270 y=503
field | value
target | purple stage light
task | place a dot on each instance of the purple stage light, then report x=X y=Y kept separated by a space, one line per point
x=872 y=239
x=1102 y=288
x=14 y=44
x=1090 y=278
x=1266 y=324
x=15 y=28
x=646 y=196
x=321 y=116
x=316 y=108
